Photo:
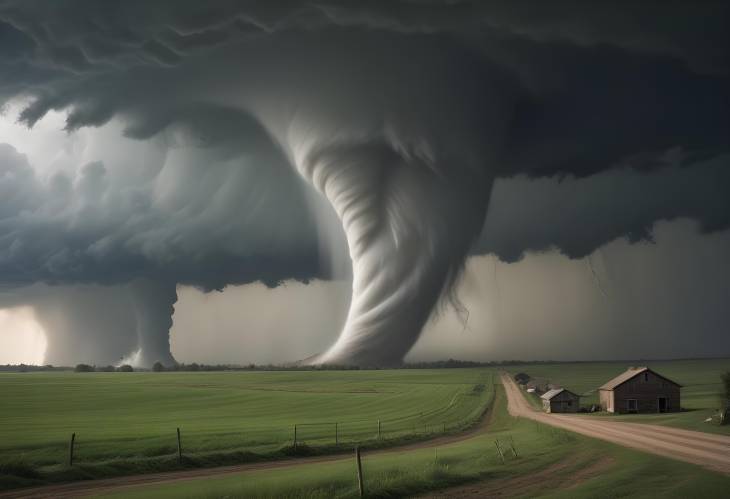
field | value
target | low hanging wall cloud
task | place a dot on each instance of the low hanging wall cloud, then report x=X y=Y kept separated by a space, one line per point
x=400 y=116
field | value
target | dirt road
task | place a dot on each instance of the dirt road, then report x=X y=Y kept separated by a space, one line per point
x=710 y=451
x=95 y=487
x=705 y=449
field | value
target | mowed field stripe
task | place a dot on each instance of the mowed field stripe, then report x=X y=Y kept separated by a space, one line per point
x=96 y=487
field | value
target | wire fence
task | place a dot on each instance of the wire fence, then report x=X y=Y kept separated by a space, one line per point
x=322 y=435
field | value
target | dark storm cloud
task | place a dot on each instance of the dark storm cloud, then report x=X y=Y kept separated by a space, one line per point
x=230 y=223
x=402 y=114
x=578 y=215
x=592 y=108
x=588 y=89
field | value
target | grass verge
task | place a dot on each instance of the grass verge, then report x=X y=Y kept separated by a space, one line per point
x=549 y=463
x=449 y=402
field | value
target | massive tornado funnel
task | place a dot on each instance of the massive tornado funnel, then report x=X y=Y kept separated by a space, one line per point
x=409 y=225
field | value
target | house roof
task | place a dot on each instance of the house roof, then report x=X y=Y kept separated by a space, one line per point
x=630 y=373
x=555 y=391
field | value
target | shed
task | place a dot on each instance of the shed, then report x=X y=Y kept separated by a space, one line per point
x=560 y=400
x=640 y=390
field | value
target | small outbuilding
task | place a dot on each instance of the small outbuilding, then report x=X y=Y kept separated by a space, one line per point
x=640 y=390
x=560 y=400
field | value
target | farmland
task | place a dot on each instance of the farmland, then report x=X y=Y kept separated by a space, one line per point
x=126 y=422
x=549 y=463
x=211 y=409
x=700 y=380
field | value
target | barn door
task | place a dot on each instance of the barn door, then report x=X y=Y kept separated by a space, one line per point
x=632 y=405
x=662 y=404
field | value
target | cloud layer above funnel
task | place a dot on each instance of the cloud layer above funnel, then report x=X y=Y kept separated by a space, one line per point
x=192 y=206
x=400 y=114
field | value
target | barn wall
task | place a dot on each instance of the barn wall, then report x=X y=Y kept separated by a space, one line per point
x=606 y=399
x=646 y=392
x=556 y=403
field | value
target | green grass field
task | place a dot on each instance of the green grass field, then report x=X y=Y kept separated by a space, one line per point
x=700 y=380
x=126 y=422
x=550 y=463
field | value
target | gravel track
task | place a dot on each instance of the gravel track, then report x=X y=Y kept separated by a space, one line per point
x=705 y=449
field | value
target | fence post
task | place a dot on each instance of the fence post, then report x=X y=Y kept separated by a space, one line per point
x=444 y=427
x=378 y=429
x=71 y=450
x=499 y=450
x=360 y=484
x=295 y=438
x=512 y=444
x=336 y=436
x=179 y=447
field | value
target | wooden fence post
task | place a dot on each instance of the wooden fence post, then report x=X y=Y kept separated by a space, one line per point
x=336 y=436
x=179 y=447
x=71 y=450
x=295 y=438
x=378 y=429
x=499 y=450
x=360 y=483
x=512 y=444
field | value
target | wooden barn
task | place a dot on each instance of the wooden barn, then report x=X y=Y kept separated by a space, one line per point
x=560 y=400
x=640 y=390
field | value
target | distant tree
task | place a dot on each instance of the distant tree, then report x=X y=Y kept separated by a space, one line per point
x=106 y=369
x=126 y=368
x=84 y=368
x=726 y=382
x=158 y=367
x=522 y=378
x=193 y=367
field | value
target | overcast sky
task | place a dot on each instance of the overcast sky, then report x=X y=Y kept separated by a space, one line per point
x=345 y=172
x=644 y=300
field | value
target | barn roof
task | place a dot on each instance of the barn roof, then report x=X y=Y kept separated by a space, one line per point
x=555 y=391
x=630 y=373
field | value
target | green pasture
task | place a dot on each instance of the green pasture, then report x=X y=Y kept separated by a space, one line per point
x=549 y=463
x=126 y=422
x=700 y=380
